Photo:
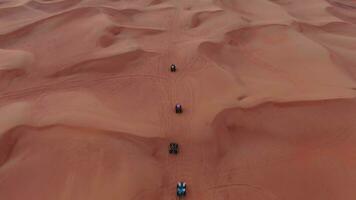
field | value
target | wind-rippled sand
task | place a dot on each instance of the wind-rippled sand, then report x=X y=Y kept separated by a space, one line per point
x=87 y=99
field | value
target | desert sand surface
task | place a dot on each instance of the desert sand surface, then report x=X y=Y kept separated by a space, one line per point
x=267 y=88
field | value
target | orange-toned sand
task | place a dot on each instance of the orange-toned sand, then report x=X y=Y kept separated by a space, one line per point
x=87 y=99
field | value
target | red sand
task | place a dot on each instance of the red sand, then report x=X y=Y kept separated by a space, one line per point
x=87 y=99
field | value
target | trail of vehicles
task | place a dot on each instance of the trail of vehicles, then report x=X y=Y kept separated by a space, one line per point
x=174 y=147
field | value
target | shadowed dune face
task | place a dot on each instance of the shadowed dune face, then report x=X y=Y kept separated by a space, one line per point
x=87 y=99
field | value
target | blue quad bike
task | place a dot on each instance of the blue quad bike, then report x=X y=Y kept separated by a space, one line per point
x=181 y=189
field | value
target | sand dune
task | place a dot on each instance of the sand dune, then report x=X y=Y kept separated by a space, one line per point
x=87 y=99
